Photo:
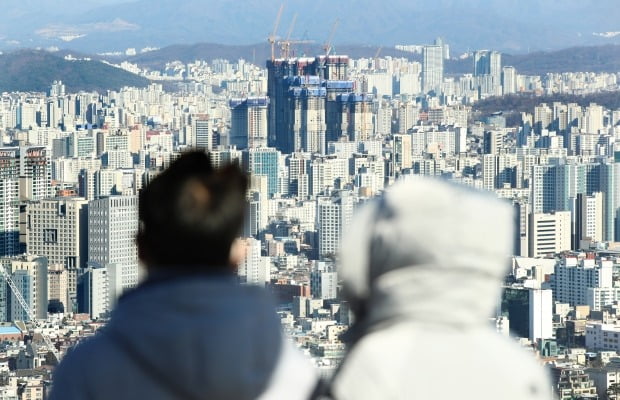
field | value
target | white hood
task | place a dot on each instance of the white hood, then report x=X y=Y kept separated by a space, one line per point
x=427 y=250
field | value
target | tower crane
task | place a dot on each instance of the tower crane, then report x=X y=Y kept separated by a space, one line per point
x=327 y=47
x=272 y=38
x=28 y=311
x=286 y=44
x=377 y=57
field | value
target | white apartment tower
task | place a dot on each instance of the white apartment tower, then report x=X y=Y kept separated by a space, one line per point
x=333 y=216
x=254 y=269
x=432 y=68
x=541 y=314
x=94 y=297
x=509 y=80
x=323 y=281
x=588 y=218
x=9 y=201
x=112 y=228
x=549 y=233
x=402 y=151
x=29 y=273
x=573 y=277
x=202 y=135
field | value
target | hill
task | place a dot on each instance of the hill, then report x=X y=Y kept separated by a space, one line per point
x=511 y=106
x=590 y=58
x=575 y=59
x=34 y=71
x=256 y=53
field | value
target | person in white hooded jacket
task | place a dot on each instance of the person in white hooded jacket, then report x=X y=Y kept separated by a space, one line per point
x=422 y=267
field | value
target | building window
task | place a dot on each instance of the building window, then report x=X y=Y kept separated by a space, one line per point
x=50 y=235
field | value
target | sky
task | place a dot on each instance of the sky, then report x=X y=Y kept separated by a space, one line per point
x=112 y=25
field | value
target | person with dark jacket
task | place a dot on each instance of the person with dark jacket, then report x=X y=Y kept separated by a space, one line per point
x=189 y=331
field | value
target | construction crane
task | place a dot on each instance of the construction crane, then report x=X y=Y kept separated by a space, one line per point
x=377 y=57
x=28 y=311
x=286 y=44
x=272 y=38
x=327 y=46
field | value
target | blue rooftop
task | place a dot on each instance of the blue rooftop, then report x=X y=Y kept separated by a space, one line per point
x=9 y=330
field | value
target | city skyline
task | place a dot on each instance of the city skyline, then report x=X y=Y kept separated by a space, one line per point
x=319 y=135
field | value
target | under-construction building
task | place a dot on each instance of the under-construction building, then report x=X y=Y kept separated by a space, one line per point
x=333 y=107
x=299 y=90
x=355 y=116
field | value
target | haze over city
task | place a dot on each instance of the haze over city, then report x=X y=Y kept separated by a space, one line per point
x=505 y=25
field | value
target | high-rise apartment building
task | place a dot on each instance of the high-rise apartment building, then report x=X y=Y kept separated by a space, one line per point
x=543 y=117
x=402 y=151
x=573 y=277
x=549 y=233
x=554 y=188
x=323 y=281
x=354 y=117
x=541 y=314
x=112 y=229
x=256 y=213
x=333 y=215
x=263 y=161
x=29 y=273
x=93 y=292
x=35 y=173
x=254 y=269
x=432 y=68
x=488 y=63
x=444 y=46
x=25 y=174
x=301 y=93
x=57 y=228
x=529 y=311
x=509 y=80
x=58 y=289
x=335 y=91
x=306 y=118
x=588 y=216
x=248 y=125
x=202 y=132
x=9 y=201
x=493 y=141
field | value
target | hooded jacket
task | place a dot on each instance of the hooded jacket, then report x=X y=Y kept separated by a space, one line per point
x=422 y=267
x=198 y=337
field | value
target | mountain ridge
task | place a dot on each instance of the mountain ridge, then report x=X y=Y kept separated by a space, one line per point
x=34 y=70
x=574 y=59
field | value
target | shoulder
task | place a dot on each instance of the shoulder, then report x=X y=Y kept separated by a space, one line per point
x=383 y=362
x=73 y=378
x=96 y=348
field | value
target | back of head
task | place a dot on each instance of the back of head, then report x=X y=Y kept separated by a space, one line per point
x=191 y=213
